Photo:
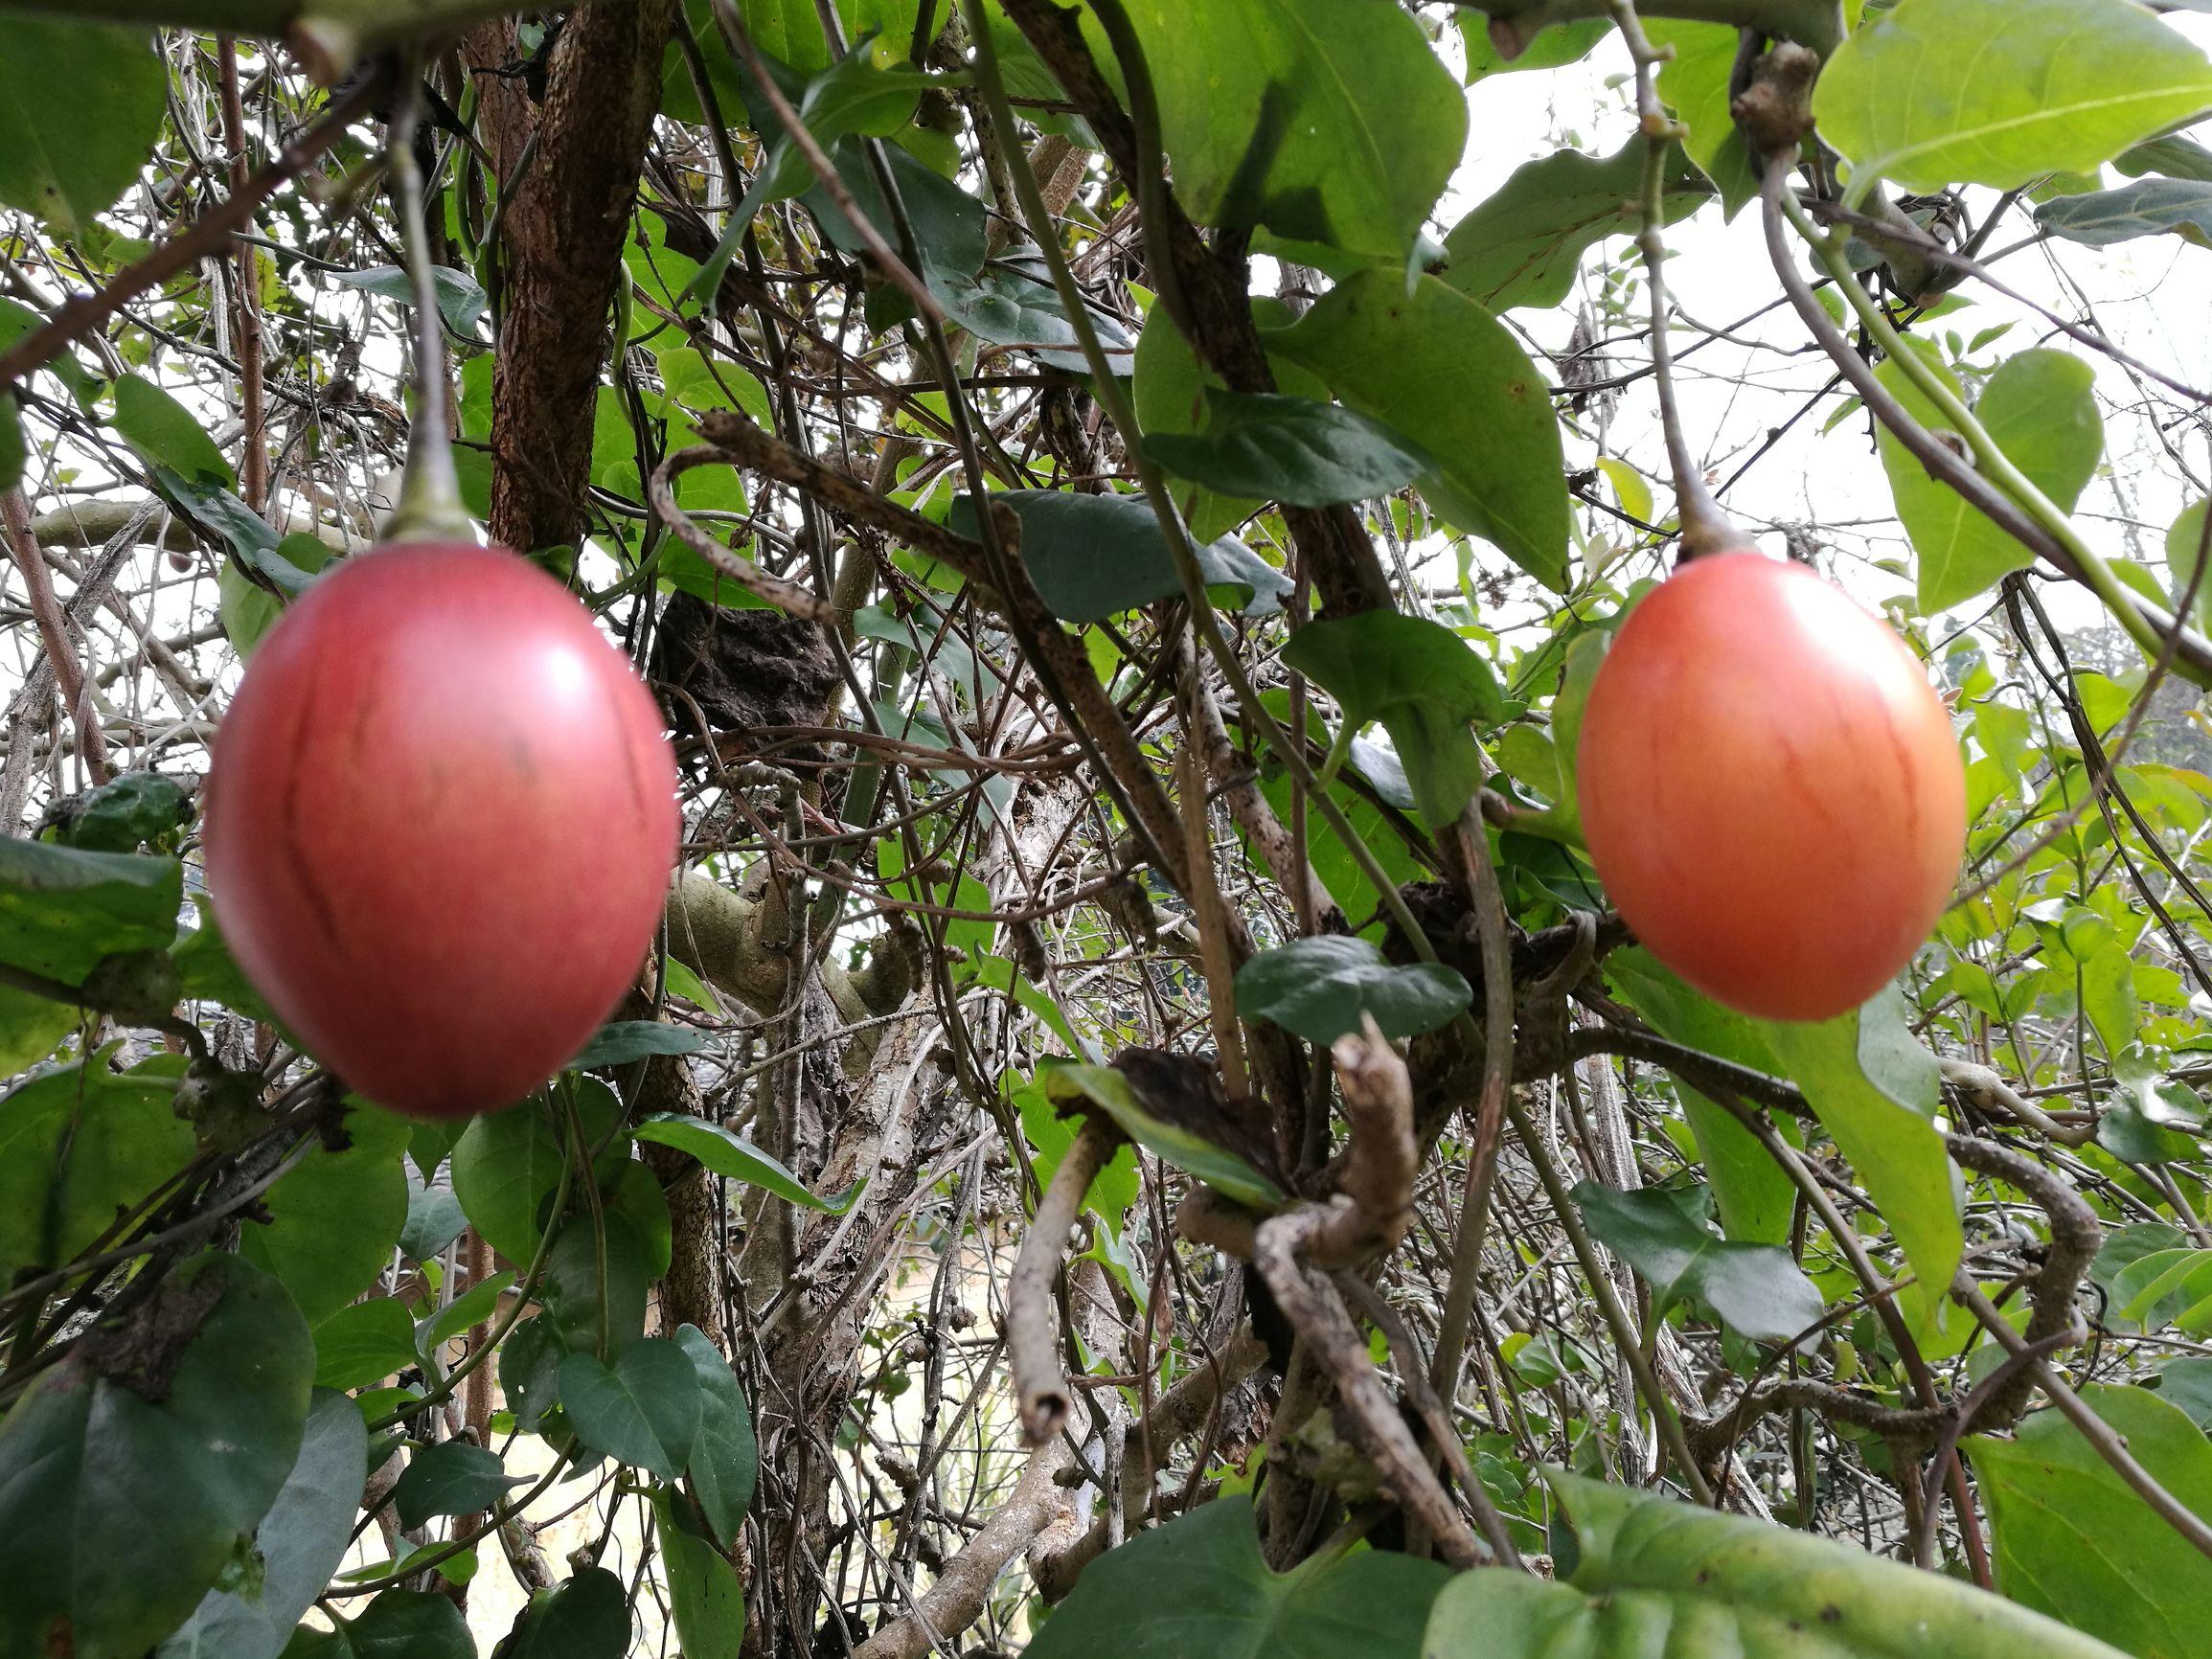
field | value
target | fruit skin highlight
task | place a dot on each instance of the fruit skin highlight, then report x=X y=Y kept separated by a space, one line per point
x=1769 y=788
x=439 y=822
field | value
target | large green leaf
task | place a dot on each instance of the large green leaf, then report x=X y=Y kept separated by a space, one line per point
x=300 y=1543
x=1433 y=363
x=1755 y=1197
x=586 y=1617
x=131 y=1471
x=2072 y=1539
x=333 y=1220
x=1199 y=1585
x=1522 y=246
x=2147 y=208
x=452 y=1478
x=1422 y=681
x=1319 y=989
x=166 y=433
x=80 y=106
x=732 y=1156
x=1294 y=450
x=1327 y=123
x=644 y=1409
x=1756 y=1290
x=2041 y=408
x=1655 y=1577
x=364 y=1344
x=78 y=1144
x=1093 y=556
x=507 y=1165
x=1998 y=92
x=725 y=1461
x=1876 y=1091
x=61 y=910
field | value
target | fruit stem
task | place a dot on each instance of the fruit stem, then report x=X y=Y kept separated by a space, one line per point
x=429 y=507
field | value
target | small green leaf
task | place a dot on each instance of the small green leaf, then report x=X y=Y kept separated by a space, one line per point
x=14 y=451
x=1188 y=1150
x=164 y=433
x=1757 y=1289
x=364 y=1343
x=1093 y=556
x=2147 y=208
x=1293 y=450
x=398 y=1624
x=1697 y=82
x=1434 y=363
x=434 y=1221
x=1997 y=92
x=1320 y=988
x=1553 y=48
x=2072 y=1539
x=2041 y=408
x=472 y=1307
x=1199 y=1585
x=81 y=107
x=644 y=1410
x=452 y=1478
x=725 y=1460
x=730 y=1155
x=332 y=1221
x=126 y=813
x=460 y=302
x=1422 y=682
x=707 y=1601
x=635 y=1040
x=585 y=1618
x=1522 y=246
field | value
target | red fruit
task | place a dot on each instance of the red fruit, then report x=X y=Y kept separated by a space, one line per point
x=439 y=826
x=1769 y=788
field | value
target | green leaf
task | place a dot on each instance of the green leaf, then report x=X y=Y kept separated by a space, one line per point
x=1755 y=1197
x=731 y=1156
x=206 y=972
x=1998 y=92
x=1422 y=682
x=1553 y=48
x=79 y=1145
x=2147 y=208
x=363 y=1344
x=507 y=1166
x=1757 y=1289
x=1696 y=83
x=1293 y=450
x=585 y=1618
x=398 y=1624
x=122 y=1497
x=62 y=910
x=300 y=1543
x=81 y=107
x=1113 y=1190
x=452 y=1478
x=2074 y=1540
x=128 y=811
x=2040 y=407
x=2186 y=540
x=30 y=1029
x=434 y=1221
x=1876 y=1091
x=1093 y=556
x=1652 y=1576
x=333 y=1220
x=1522 y=246
x=14 y=451
x=725 y=1461
x=1188 y=1150
x=1320 y=988
x=635 y=1040
x=707 y=1601
x=460 y=302
x=472 y=1307
x=1199 y=1585
x=644 y=1410
x=164 y=433
x=1434 y=363
x=2174 y=156
x=1325 y=122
